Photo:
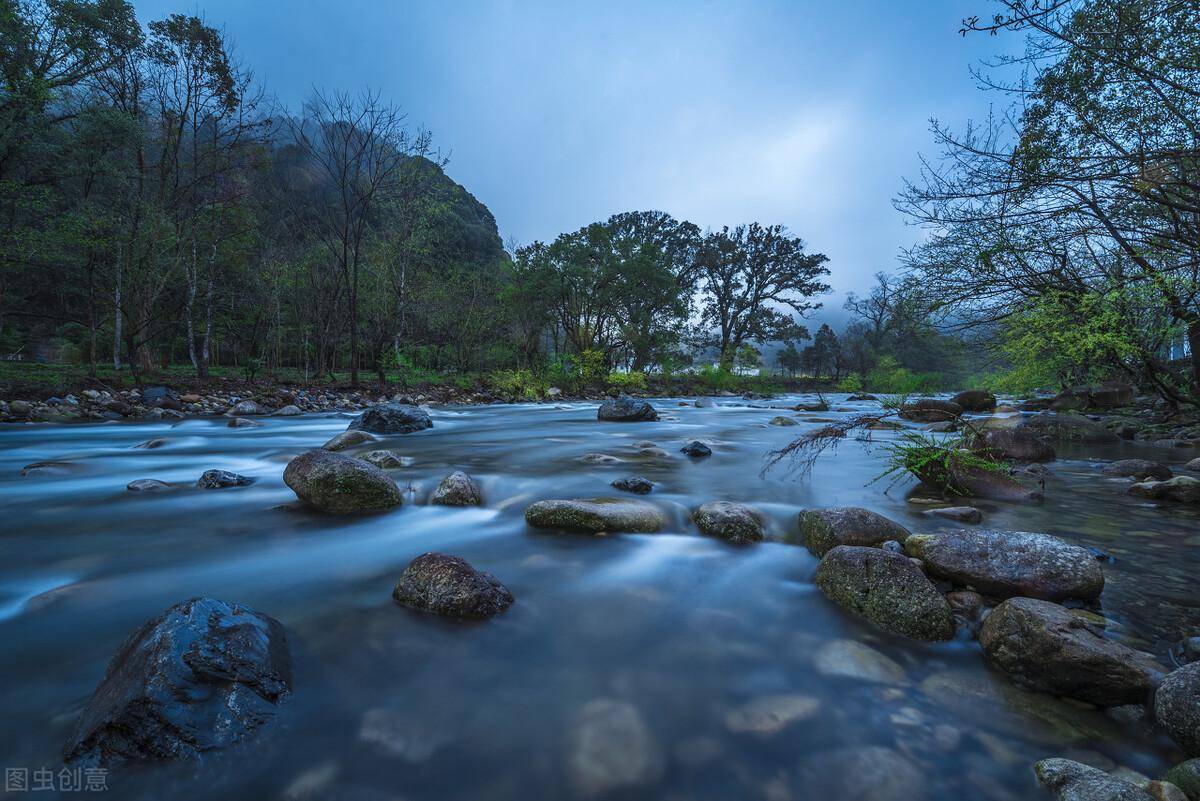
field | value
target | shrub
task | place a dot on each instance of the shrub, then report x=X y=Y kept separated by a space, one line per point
x=519 y=383
x=717 y=379
x=850 y=383
x=627 y=382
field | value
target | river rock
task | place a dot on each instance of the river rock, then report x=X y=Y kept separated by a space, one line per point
x=1141 y=469
x=242 y=422
x=595 y=515
x=962 y=476
x=886 y=589
x=625 y=409
x=771 y=714
x=823 y=529
x=1186 y=776
x=203 y=675
x=48 y=468
x=449 y=586
x=1182 y=489
x=734 y=522
x=1046 y=647
x=1074 y=781
x=290 y=410
x=19 y=408
x=151 y=444
x=850 y=659
x=780 y=420
x=457 y=489
x=962 y=514
x=147 y=485
x=1177 y=707
x=975 y=400
x=1002 y=564
x=635 y=484
x=696 y=449
x=1066 y=427
x=930 y=410
x=1194 y=464
x=392 y=418
x=220 y=479
x=1012 y=444
x=245 y=408
x=383 y=459
x=348 y=439
x=860 y=773
x=611 y=748
x=334 y=482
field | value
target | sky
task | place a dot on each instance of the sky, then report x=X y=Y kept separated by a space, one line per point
x=557 y=114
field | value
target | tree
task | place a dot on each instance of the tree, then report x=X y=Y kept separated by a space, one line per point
x=745 y=274
x=747 y=358
x=789 y=359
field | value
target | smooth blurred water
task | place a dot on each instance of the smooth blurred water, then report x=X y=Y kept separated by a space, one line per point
x=390 y=704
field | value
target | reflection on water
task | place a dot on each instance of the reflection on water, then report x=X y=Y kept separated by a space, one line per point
x=668 y=642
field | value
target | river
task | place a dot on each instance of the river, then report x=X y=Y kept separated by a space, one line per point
x=685 y=631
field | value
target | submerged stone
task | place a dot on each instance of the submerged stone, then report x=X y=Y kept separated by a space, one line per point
x=696 y=449
x=635 y=484
x=595 y=515
x=734 y=522
x=220 y=479
x=392 y=418
x=611 y=748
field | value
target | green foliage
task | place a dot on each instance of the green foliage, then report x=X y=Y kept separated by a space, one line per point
x=889 y=376
x=717 y=379
x=592 y=366
x=519 y=383
x=627 y=382
x=851 y=382
x=928 y=458
x=747 y=357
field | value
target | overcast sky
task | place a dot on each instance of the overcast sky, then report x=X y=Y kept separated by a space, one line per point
x=556 y=114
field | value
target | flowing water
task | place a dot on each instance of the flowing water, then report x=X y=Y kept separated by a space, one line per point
x=689 y=638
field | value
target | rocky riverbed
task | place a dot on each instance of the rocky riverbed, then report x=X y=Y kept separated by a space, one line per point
x=465 y=639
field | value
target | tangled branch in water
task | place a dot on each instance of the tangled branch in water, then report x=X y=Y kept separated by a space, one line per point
x=802 y=452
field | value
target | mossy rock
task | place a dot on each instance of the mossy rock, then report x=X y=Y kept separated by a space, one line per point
x=595 y=515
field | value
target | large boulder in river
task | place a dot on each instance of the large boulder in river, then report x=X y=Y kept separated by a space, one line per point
x=887 y=589
x=1012 y=444
x=1141 y=469
x=1002 y=564
x=1066 y=428
x=392 y=418
x=824 y=529
x=1182 y=489
x=930 y=410
x=334 y=482
x=625 y=409
x=975 y=400
x=962 y=473
x=448 y=585
x=595 y=515
x=203 y=675
x=1074 y=781
x=735 y=522
x=1049 y=648
x=457 y=489
x=1177 y=707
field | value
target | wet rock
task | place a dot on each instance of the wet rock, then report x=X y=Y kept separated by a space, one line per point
x=1066 y=428
x=1181 y=489
x=220 y=479
x=704 y=403
x=392 y=418
x=962 y=476
x=1194 y=464
x=965 y=604
x=383 y=459
x=861 y=397
x=930 y=410
x=625 y=409
x=151 y=444
x=734 y=522
x=245 y=408
x=1186 y=651
x=975 y=400
x=1002 y=564
x=1074 y=781
x=780 y=420
x=600 y=458
x=1012 y=444
x=823 y=529
x=861 y=773
x=449 y=586
x=203 y=675
x=457 y=489
x=771 y=714
x=290 y=410
x=696 y=449
x=611 y=748
x=1140 y=469
x=886 y=589
x=635 y=484
x=962 y=514
x=19 y=408
x=334 y=482
x=820 y=406
x=147 y=485
x=348 y=439
x=1177 y=707
x=242 y=422
x=47 y=468
x=1186 y=776
x=944 y=427
x=595 y=515
x=850 y=659
x=1045 y=647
